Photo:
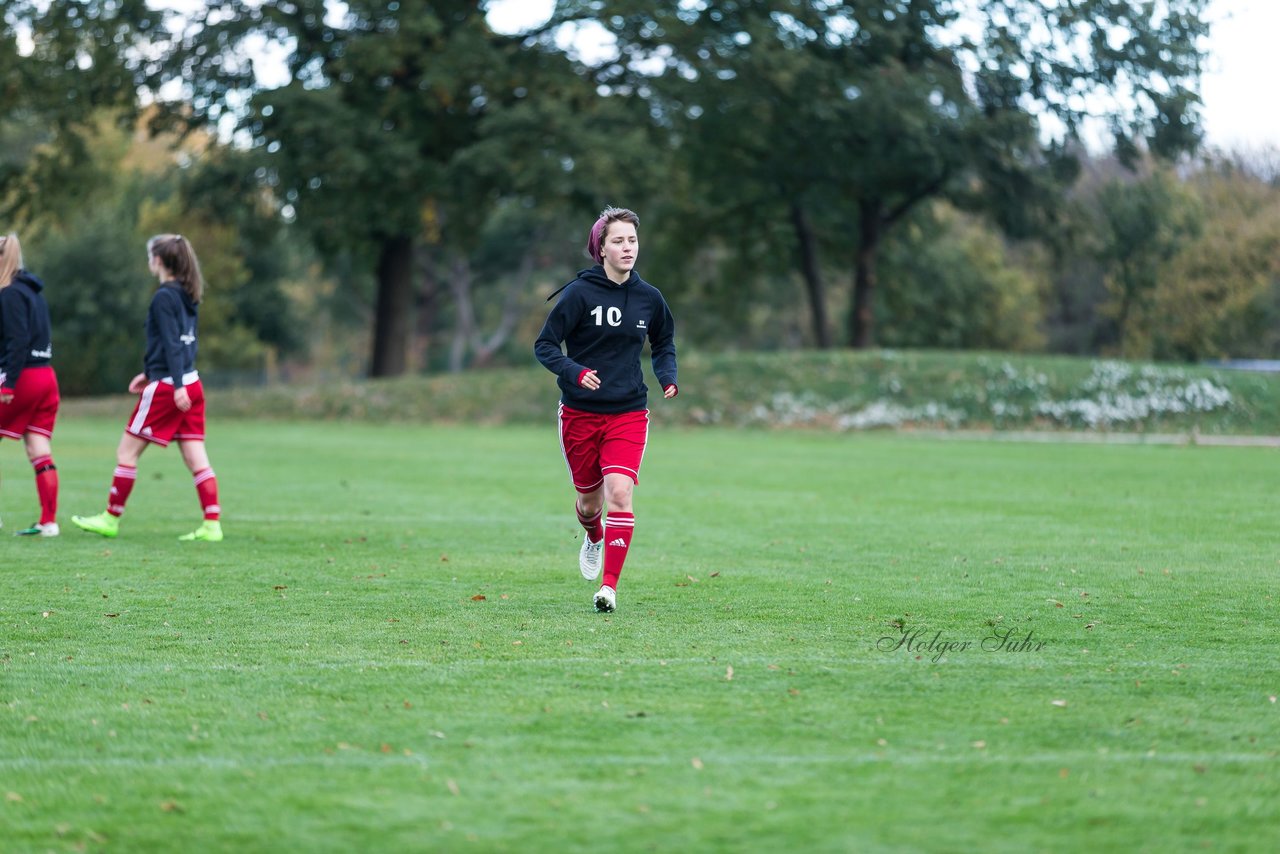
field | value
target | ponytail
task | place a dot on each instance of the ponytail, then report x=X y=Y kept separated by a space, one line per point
x=175 y=253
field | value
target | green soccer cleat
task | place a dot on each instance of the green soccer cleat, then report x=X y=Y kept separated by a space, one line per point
x=104 y=523
x=210 y=531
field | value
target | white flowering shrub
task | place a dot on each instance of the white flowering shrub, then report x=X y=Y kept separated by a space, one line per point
x=997 y=394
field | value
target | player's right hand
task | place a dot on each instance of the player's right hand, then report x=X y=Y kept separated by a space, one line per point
x=137 y=384
x=590 y=381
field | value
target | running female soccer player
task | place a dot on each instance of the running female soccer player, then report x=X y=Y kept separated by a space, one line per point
x=171 y=405
x=28 y=385
x=603 y=318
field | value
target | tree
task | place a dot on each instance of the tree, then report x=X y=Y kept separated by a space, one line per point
x=841 y=118
x=959 y=286
x=62 y=63
x=361 y=143
x=1218 y=296
x=1142 y=225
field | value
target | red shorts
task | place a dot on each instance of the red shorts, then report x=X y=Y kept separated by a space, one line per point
x=158 y=419
x=35 y=404
x=596 y=444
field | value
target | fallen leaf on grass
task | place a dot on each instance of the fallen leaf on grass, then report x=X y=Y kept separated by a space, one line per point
x=110 y=615
x=280 y=587
x=479 y=597
x=46 y=614
x=1062 y=704
x=728 y=673
x=171 y=806
x=1056 y=603
x=981 y=745
x=696 y=763
x=13 y=797
x=714 y=575
x=453 y=787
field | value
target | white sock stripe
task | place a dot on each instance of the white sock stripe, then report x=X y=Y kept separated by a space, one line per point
x=213 y=508
x=609 y=525
x=126 y=473
x=201 y=477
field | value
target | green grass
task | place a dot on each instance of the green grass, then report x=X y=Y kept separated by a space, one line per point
x=328 y=679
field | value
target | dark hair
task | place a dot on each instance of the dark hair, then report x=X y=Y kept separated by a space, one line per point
x=600 y=230
x=175 y=253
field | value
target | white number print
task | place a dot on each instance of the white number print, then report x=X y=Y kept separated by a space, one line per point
x=614 y=315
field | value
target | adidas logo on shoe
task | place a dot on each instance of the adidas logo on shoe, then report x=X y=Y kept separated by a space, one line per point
x=619 y=542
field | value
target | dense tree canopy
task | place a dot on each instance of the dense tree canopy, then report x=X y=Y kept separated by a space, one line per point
x=990 y=174
x=367 y=141
x=840 y=118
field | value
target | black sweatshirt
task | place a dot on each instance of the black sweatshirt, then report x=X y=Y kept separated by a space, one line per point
x=171 y=335
x=603 y=326
x=25 y=337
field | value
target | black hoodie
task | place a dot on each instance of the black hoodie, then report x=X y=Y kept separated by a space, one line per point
x=25 y=338
x=171 y=335
x=603 y=326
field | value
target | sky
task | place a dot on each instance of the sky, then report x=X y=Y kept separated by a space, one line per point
x=1241 y=109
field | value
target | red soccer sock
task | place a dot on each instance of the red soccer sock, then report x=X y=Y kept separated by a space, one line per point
x=617 y=540
x=591 y=524
x=46 y=488
x=121 y=485
x=207 y=488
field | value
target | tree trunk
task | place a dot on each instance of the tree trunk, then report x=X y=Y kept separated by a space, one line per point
x=513 y=305
x=392 y=313
x=424 y=314
x=861 y=316
x=464 y=313
x=812 y=277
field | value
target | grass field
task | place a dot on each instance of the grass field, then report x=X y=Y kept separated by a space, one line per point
x=393 y=650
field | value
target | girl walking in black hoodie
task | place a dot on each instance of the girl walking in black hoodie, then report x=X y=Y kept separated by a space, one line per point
x=28 y=386
x=171 y=401
x=602 y=319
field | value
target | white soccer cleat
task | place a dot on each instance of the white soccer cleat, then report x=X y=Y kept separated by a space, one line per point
x=606 y=599
x=589 y=558
x=48 y=529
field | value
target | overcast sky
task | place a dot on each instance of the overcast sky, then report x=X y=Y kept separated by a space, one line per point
x=1241 y=105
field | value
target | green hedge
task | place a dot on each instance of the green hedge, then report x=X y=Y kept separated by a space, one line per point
x=841 y=390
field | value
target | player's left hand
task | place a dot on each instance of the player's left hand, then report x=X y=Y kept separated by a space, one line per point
x=6 y=398
x=670 y=391
x=182 y=399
